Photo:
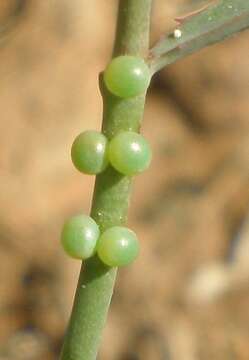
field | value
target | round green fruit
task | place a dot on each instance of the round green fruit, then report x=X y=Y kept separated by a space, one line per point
x=129 y=153
x=79 y=237
x=118 y=246
x=127 y=76
x=89 y=152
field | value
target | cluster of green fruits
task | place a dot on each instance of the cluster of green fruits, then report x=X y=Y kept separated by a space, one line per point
x=128 y=152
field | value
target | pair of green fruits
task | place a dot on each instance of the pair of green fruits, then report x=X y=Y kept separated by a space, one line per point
x=81 y=239
x=128 y=152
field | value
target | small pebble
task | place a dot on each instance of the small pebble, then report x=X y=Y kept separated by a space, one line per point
x=177 y=33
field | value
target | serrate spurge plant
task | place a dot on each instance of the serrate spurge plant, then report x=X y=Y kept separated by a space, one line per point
x=127 y=76
x=119 y=152
x=79 y=237
x=129 y=153
x=89 y=152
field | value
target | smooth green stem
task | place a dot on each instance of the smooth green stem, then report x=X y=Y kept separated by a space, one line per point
x=220 y=20
x=111 y=194
x=132 y=36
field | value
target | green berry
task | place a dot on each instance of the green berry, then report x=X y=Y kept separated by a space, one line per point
x=118 y=246
x=127 y=76
x=89 y=152
x=129 y=153
x=79 y=237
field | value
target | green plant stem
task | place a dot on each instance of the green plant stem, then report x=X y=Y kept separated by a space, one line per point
x=111 y=194
x=217 y=22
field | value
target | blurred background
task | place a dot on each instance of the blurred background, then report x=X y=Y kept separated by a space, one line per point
x=187 y=296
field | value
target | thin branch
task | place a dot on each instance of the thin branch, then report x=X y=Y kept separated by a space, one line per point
x=111 y=194
x=213 y=24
